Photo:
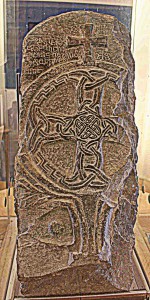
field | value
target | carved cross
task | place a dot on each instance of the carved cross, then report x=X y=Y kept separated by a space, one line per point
x=88 y=42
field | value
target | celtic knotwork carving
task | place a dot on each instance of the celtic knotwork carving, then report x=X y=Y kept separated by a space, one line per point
x=87 y=128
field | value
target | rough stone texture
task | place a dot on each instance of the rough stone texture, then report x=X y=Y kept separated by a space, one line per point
x=76 y=187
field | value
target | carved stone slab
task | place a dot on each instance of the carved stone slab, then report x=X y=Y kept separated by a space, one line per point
x=76 y=187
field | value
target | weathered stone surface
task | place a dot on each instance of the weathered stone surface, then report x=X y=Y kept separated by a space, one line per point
x=76 y=187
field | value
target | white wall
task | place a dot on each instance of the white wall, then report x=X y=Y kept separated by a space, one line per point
x=141 y=53
x=2 y=57
x=1 y=44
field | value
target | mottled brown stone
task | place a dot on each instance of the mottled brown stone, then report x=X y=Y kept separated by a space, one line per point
x=76 y=187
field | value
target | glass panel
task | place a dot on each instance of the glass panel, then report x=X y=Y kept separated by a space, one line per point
x=18 y=18
x=8 y=104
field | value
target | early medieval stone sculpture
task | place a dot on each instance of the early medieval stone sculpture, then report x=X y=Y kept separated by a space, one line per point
x=76 y=187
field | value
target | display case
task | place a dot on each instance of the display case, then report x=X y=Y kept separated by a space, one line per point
x=17 y=18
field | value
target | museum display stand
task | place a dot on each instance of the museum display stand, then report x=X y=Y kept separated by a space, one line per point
x=139 y=289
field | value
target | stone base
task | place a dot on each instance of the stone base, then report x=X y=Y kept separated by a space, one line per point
x=120 y=296
x=74 y=281
x=88 y=281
